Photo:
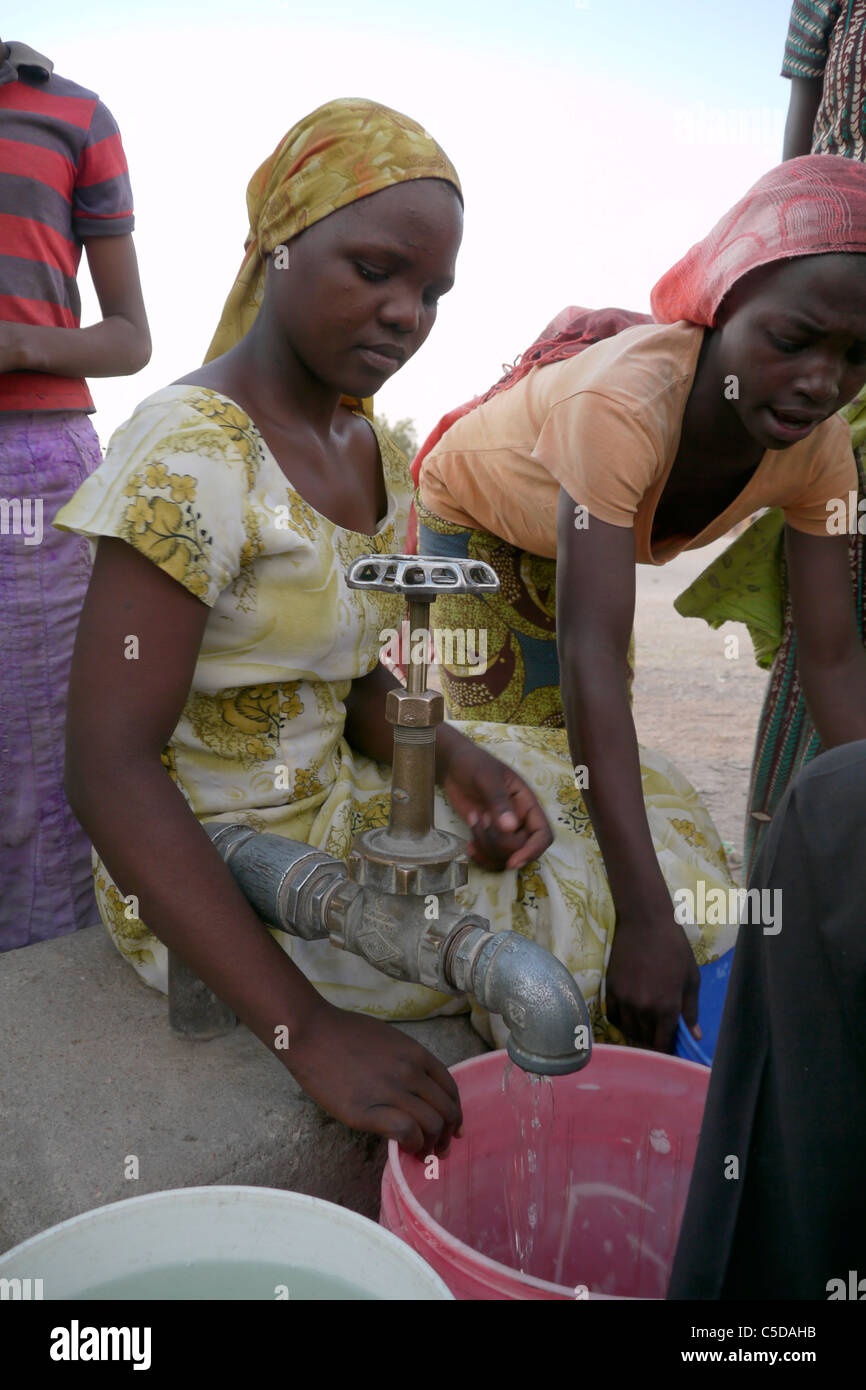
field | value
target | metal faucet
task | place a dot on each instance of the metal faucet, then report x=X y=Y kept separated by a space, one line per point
x=394 y=902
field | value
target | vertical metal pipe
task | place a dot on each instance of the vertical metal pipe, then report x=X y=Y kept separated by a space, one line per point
x=413 y=782
x=419 y=621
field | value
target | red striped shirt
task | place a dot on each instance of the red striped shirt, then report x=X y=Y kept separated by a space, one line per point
x=63 y=178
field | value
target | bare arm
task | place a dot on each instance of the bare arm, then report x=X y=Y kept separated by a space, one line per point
x=593 y=633
x=803 y=106
x=121 y=714
x=831 y=659
x=652 y=975
x=117 y=346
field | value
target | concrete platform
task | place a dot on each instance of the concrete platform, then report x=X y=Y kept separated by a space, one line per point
x=90 y=1074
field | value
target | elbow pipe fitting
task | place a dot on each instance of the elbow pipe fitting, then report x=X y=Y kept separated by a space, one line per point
x=535 y=994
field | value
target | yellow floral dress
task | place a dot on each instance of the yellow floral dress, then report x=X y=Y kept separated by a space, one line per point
x=190 y=483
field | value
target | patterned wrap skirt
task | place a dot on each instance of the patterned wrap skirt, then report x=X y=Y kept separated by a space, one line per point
x=511 y=675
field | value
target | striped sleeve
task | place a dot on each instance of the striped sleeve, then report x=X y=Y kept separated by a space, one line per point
x=808 y=41
x=102 y=198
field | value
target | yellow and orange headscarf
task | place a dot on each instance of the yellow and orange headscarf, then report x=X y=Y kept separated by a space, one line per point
x=341 y=152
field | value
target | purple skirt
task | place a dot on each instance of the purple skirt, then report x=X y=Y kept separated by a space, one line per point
x=46 y=883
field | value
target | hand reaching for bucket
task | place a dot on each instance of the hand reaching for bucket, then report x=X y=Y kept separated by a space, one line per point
x=652 y=977
x=373 y=1078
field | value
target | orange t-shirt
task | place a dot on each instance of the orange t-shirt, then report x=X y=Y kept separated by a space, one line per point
x=605 y=425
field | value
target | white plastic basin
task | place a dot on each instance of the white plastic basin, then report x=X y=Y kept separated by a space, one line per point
x=236 y=1225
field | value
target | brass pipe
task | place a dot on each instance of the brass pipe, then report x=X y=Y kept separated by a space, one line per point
x=413 y=781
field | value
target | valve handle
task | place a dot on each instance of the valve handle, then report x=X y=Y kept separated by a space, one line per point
x=421 y=578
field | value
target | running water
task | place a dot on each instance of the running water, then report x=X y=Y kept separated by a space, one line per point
x=531 y=1100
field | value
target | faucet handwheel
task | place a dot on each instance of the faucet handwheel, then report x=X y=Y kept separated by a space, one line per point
x=421 y=577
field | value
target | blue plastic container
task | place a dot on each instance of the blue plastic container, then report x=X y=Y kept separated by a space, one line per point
x=714 y=987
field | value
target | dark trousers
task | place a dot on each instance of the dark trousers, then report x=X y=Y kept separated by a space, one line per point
x=787 y=1096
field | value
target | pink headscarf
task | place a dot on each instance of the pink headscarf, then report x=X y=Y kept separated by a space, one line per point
x=804 y=207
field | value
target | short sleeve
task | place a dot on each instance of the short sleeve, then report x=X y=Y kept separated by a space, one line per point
x=832 y=477
x=102 y=196
x=808 y=40
x=600 y=454
x=173 y=485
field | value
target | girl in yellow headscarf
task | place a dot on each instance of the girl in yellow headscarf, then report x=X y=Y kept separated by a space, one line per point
x=225 y=671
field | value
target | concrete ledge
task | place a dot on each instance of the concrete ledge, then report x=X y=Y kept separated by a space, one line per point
x=91 y=1073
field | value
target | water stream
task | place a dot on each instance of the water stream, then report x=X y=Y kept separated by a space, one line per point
x=531 y=1100
x=541 y=1234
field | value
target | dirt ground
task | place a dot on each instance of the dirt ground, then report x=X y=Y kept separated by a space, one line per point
x=691 y=701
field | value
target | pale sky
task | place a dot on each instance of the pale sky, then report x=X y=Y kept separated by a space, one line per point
x=596 y=140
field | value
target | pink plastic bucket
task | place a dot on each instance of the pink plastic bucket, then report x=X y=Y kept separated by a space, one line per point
x=617 y=1162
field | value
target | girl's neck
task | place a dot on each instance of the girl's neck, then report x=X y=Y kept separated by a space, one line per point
x=712 y=430
x=277 y=383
